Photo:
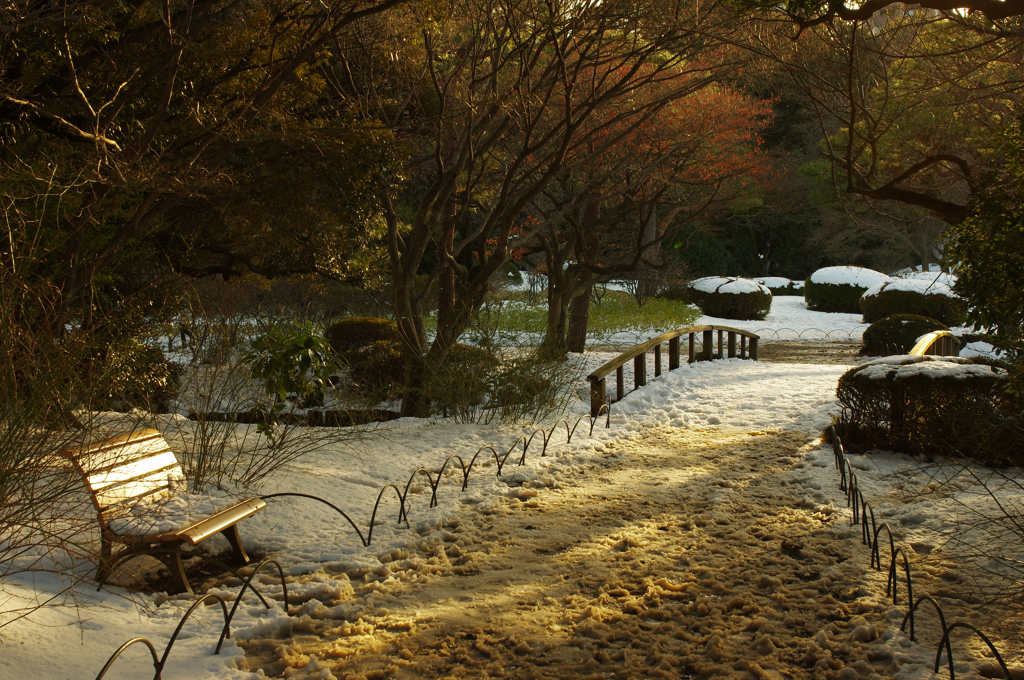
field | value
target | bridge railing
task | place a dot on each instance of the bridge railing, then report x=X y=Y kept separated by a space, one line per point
x=937 y=343
x=727 y=347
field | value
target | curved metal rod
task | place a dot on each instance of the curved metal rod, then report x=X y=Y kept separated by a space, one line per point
x=942 y=621
x=195 y=605
x=945 y=638
x=465 y=473
x=544 y=437
x=856 y=494
x=852 y=484
x=157 y=666
x=875 y=555
x=327 y=503
x=497 y=460
x=522 y=458
x=607 y=406
x=568 y=432
x=403 y=512
x=843 y=486
x=248 y=584
x=891 y=578
x=401 y=509
x=871 y=543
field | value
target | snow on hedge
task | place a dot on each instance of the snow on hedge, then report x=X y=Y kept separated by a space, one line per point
x=773 y=281
x=938 y=277
x=849 y=276
x=911 y=285
x=901 y=367
x=728 y=284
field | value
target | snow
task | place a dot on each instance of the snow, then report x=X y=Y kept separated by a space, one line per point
x=711 y=429
x=849 y=276
x=728 y=284
x=176 y=511
x=922 y=286
x=789 y=319
x=904 y=367
x=773 y=281
x=932 y=276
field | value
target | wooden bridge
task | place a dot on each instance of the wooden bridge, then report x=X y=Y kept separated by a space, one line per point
x=726 y=348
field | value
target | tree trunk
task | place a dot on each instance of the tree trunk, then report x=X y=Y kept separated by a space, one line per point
x=579 y=308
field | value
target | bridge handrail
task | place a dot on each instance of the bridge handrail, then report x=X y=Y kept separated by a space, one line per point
x=609 y=366
x=748 y=346
x=937 y=343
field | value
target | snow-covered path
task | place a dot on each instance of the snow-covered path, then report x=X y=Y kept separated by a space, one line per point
x=683 y=553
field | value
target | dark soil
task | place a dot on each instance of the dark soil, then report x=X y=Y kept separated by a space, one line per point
x=810 y=351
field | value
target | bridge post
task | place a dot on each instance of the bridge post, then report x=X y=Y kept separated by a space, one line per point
x=640 y=370
x=619 y=384
x=673 y=353
x=692 y=343
x=657 y=360
x=753 y=349
x=709 y=339
x=597 y=396
x=732 y=345
x=743 y=347
x=719 y=353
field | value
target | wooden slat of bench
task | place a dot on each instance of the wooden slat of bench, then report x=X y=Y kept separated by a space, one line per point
x=110 y=453
x=152 y=489
x=218 y=522
x=137 y=469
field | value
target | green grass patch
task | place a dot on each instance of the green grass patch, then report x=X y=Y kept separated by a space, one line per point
x=504 y=319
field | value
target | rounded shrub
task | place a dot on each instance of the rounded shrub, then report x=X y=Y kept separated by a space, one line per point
x=463 y=379
x=137 y=375
x=377 y=369
x=357 y=332
x=898 y=333
x=931 y=405
x=779 y=285
x=838 y=289
x=912 y=296
x=731 y=297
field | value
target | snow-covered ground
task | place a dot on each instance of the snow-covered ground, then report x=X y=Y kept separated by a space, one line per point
x=75 y=633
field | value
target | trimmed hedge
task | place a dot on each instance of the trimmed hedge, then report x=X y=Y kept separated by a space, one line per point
x=357 y=332
x=779 y=285
x=898 y=333
x=731 y=298
x=931 y=405
x=900 y=297
x=826 y=294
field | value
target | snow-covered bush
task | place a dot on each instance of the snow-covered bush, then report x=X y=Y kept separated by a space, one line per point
x=731 y=297
x=912 y=296
x=931 y=405
x=932 y=277
x=779 y=285
x=838 y=289
x=898 y=333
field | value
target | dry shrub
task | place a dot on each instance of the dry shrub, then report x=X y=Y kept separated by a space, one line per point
x=945 y=406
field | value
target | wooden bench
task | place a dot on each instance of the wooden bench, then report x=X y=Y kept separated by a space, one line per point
x=139 y=469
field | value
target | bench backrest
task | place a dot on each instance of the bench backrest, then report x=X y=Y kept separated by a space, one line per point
x=125 y=470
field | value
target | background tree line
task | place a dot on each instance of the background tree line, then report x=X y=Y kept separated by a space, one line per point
x=421 y=147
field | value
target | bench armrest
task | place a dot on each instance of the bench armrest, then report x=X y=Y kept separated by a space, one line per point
x=218 y=522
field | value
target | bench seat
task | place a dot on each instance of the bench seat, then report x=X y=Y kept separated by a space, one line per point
x=131 y=476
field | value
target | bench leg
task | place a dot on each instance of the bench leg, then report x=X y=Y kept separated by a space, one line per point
x=172 y=558
x=103 y=569
x=231 y=533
